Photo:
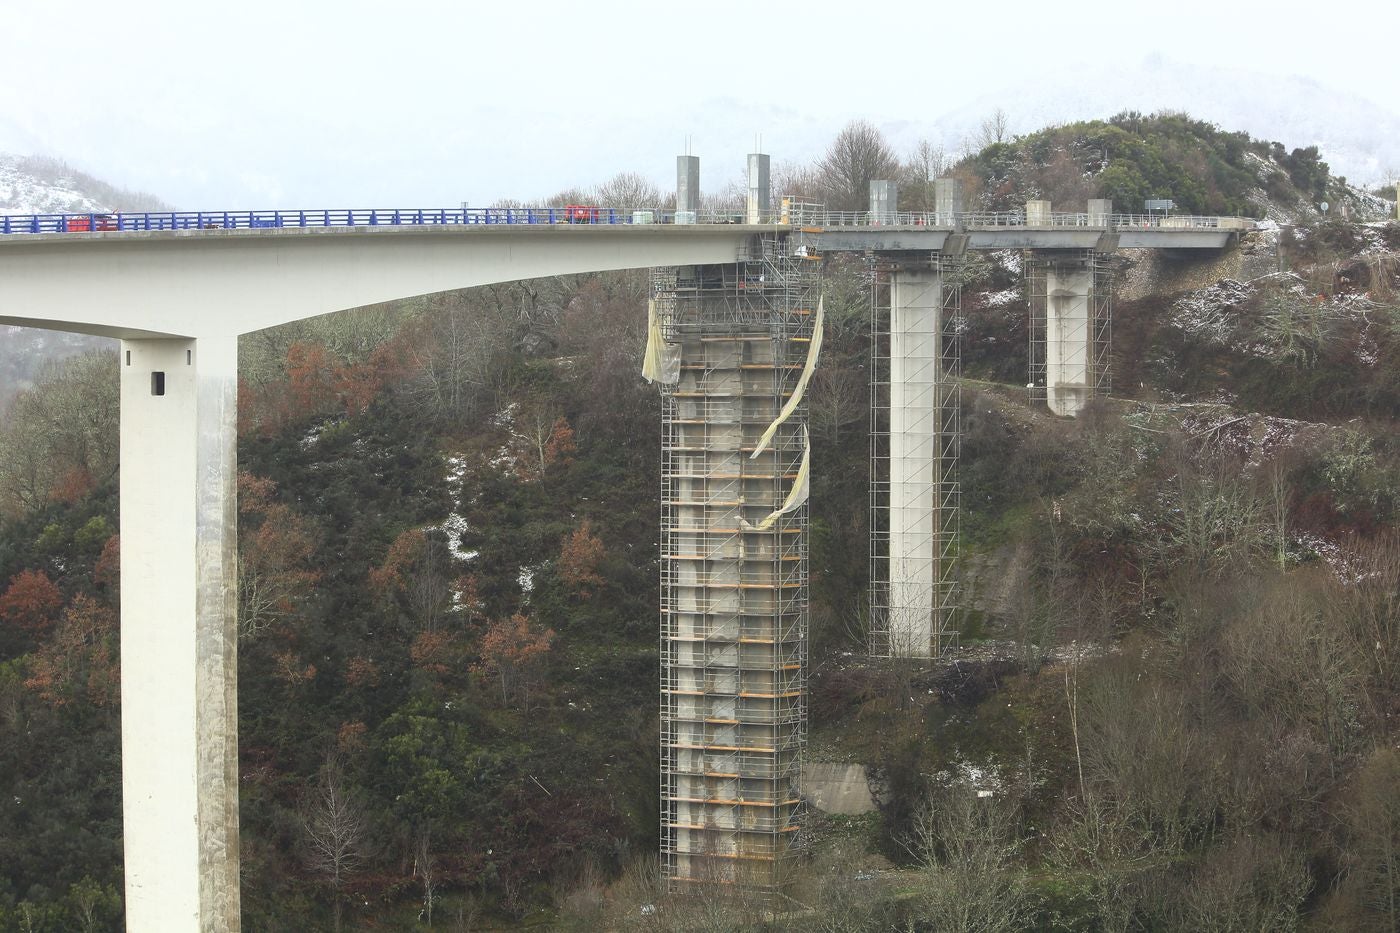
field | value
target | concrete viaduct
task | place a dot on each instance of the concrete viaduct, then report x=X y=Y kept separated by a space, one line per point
x=179 y=289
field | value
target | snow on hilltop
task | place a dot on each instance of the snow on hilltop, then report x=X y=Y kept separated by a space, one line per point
x=25 y=193
x=41 y=185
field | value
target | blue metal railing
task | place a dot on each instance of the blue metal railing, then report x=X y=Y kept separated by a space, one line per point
x=417 y=217
x=394 y=217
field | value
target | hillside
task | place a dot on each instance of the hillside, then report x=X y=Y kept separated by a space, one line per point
x=1174 y=707
x=1132 y=158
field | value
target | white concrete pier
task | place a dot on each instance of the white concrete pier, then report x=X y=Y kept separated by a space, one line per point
x=179 y=633
x=916 y=304
x=1069 y=377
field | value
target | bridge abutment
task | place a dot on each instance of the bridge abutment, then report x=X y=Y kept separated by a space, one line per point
x=179 y=633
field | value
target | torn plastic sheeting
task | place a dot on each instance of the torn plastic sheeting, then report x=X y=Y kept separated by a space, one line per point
x=801 y=488
x=662 y=361
x=814 y=350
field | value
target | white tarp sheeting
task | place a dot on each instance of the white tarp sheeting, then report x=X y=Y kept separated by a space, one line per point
x=814 y=350
x=662 y=360
x=801 y=488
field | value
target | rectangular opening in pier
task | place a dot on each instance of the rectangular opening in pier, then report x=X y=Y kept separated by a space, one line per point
x=157 y=383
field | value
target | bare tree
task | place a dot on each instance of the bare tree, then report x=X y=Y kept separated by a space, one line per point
x=425 y=869
x=966 y=846
x=926 y=163
x=996 y=128
x=839 y=396
x=456 y=341
x=858 y=156
x=628 y=190
x=1250 y=883
x=333 y=827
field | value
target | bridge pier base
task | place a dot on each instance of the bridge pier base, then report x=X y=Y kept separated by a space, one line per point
x=179 y=633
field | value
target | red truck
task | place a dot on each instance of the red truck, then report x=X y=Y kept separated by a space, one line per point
x=580 y=214
x=90 y=222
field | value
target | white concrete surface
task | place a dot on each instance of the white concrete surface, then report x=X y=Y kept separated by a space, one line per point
x=916 y=304
x=179 y=634
x=1068 y=374
x=833 y=787
x=189 y=283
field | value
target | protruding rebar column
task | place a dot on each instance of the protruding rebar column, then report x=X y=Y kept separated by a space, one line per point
x=758 y=206
x=687 y=188
x=179 y=633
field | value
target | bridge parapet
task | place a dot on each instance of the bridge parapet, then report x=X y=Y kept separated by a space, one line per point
x=789 y=216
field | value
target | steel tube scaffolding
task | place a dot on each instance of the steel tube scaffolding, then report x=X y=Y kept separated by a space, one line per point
x=914 y=495
x=733 y=587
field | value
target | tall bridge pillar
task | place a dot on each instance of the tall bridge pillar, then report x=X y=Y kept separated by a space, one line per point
x=737 y=339
x=179 y=633
x=914 y=450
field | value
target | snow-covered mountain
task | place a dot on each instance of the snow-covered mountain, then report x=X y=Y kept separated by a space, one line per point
x=46 y=186
x=23 y=191
x=43 y=185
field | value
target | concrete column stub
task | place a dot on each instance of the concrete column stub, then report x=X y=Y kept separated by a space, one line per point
x=1037 y=213
x=883 y=202
x=1100 y=212
x=179 y=633
x=947 y=200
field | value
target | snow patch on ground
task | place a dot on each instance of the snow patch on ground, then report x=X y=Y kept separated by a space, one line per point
x=455 y=525
x=1000 y=299
x=1008 y=259
x=1210 y=314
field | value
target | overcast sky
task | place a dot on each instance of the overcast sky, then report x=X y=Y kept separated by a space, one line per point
x=303 y=103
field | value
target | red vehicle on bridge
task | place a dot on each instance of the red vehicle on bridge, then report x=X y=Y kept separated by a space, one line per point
x=580 y=214
x=90 y=222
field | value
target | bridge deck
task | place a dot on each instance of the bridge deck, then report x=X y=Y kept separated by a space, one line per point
x=833 y=230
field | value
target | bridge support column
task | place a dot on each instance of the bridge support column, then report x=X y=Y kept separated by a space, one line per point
x=1068 y=339
x=1070 y=325
x=735 y=466
x=915 y=537
x=179 y=633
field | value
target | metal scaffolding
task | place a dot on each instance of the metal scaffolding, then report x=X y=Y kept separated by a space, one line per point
x=1070 y=326
x=914 y=444
x=733 y=588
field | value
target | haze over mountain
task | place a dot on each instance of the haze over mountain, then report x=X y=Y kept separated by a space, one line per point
x=376 y=137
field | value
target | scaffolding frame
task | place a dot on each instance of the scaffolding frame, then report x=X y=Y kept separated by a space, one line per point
x=1094 y=331
x=927 y=594
x=733 y=597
